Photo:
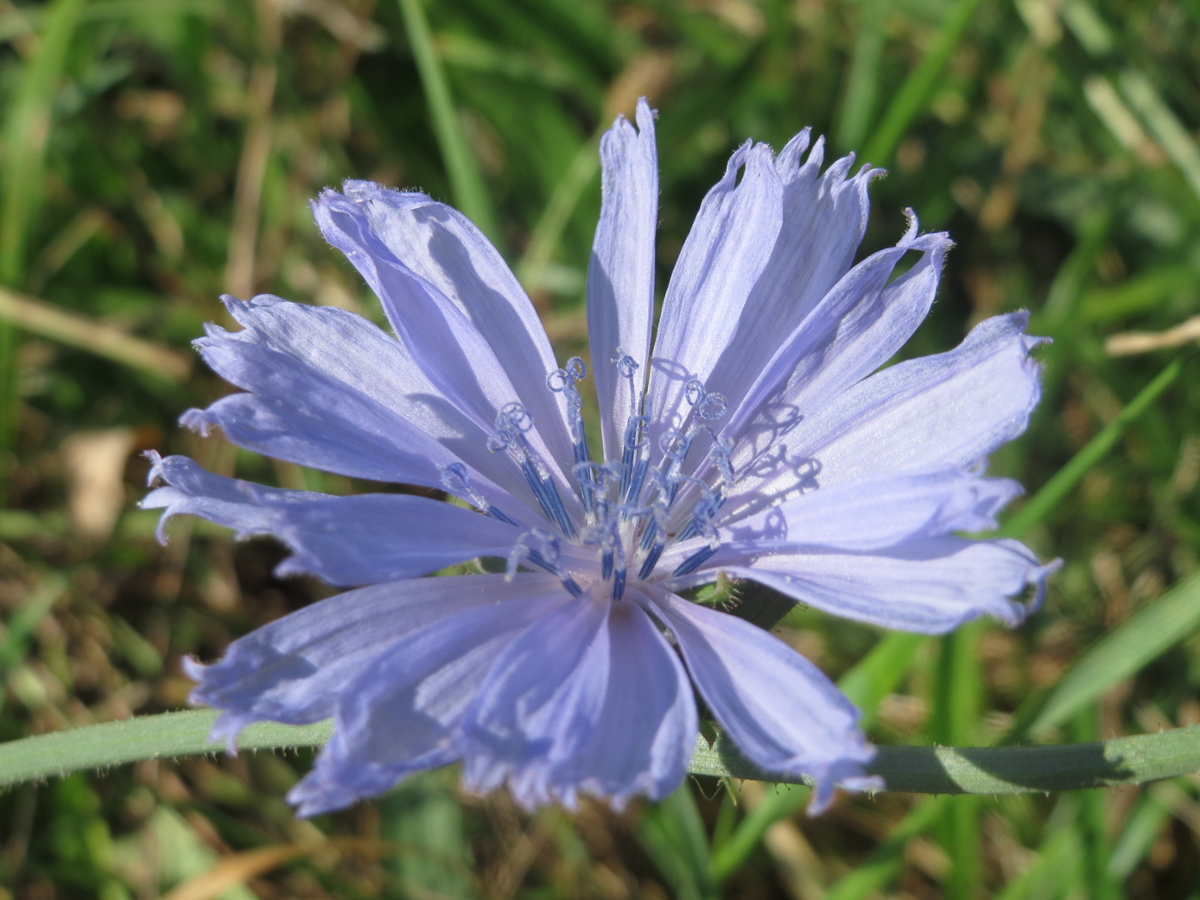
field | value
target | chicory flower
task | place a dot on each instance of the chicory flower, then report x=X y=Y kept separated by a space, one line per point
x=753 y=440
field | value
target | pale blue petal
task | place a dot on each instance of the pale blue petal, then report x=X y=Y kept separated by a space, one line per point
x=469 y=367
x=347 y=541
x=930 y=586
x=855 y=328
x=951 y=409
x=443 y=247
x=634 y=740
x=824 y=218
x=873 y=513
x=620 y=287
x=404 y=710
x=330 y=390
x=726 y=250
x=294 y=669
x=776 y=706
x=541 y=703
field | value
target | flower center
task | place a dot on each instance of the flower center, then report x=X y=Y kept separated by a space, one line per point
x=628 y=503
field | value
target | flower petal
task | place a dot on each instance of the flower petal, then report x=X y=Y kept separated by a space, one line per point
x=726 y=250
x=775 y=705
x=620 y=287
x=642 y=741
x=444 y=247
x=404 y=710
x=541 y=703
x=627 y=706
x=328 y=389
x=365 y=539
x=294 y=669
x=951 y=409
x=824 y=218
x=930 y=587
x=855 y=328
x=480 y=371
x=873 y=513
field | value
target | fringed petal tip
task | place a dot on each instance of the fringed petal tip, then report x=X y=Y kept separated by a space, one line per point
x=229 y=723
x=315 y=795
x=155 y=474
x=1037 y=579
x=847 y=774
x=935 y=242
x=535 y=786
x=1013 y=611
x=199 y=421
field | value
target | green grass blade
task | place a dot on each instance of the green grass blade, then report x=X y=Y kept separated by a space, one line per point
x=958 y=700
x=875 y=675
x=1164 y=125
x=886 y=860
x=1146 y=635
x=1065 y=479
x=26 y=130
x=466 y=180
x=20 y=624
x=862 y=84
x=548 y=231
x=729 y=857
x=25 y=134
x=914 y=94
x=672 y=833
x=1058 y=849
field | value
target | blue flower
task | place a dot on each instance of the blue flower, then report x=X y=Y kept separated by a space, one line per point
x=753 y=440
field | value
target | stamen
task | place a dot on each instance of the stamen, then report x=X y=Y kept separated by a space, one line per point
x=654 y=539
x=457 y=480
x=704 y=511
x=675 y=446
x=562 y=381
x=693 y=562
x=512 y=424
x=627 y=366
x=548 y=557
x=651 y=560
x=633 y=471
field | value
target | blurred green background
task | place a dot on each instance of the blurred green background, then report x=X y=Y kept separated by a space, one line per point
x=159 y=152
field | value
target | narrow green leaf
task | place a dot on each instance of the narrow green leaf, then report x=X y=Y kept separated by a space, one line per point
x=1065 y=479
x=673 y=834
x=1059 y=848
x=466 y=181
x=21 y=624
x=958 y=700
x=26 y=130
x=548 y=231
x=1143 y=637
x=728 y=858
x=1164 y=125
x=862 y=83
x=875 y=675
x=885 y=861
x=914 y=94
